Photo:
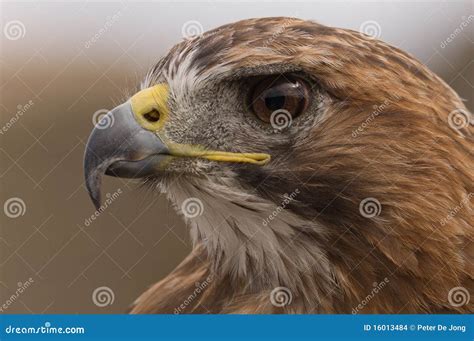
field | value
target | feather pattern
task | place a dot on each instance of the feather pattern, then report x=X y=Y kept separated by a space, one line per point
x=329 y=256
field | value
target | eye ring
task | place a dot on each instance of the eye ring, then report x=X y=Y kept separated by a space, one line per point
x=279 y=95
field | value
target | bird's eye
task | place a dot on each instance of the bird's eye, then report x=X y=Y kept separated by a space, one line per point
x=276 y=94
x=152 y=116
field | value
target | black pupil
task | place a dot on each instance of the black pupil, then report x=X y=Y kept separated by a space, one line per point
x=274 y=100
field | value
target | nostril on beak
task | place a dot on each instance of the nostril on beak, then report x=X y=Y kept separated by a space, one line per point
x=152 y=116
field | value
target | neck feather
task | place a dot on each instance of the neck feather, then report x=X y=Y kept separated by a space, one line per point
x=250 y=238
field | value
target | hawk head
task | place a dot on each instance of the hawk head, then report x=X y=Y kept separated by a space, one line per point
x=307 y=157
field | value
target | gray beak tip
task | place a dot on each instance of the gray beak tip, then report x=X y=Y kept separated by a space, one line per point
x=95 y=197
x=93 y=181
x=122 y=149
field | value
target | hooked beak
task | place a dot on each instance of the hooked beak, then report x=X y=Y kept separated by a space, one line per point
x=126 y=143
x=118 y=146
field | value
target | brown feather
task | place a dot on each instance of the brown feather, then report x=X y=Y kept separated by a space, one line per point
x=410 y=159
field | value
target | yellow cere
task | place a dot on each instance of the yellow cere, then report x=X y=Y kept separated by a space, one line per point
x=149 y=100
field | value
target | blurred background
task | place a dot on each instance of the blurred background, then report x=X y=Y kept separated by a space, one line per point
x=64 y=64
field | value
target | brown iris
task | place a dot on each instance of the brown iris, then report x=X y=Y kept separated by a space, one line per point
x=279 y=93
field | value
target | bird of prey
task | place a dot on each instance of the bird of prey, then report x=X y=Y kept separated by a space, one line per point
x=323 y=166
